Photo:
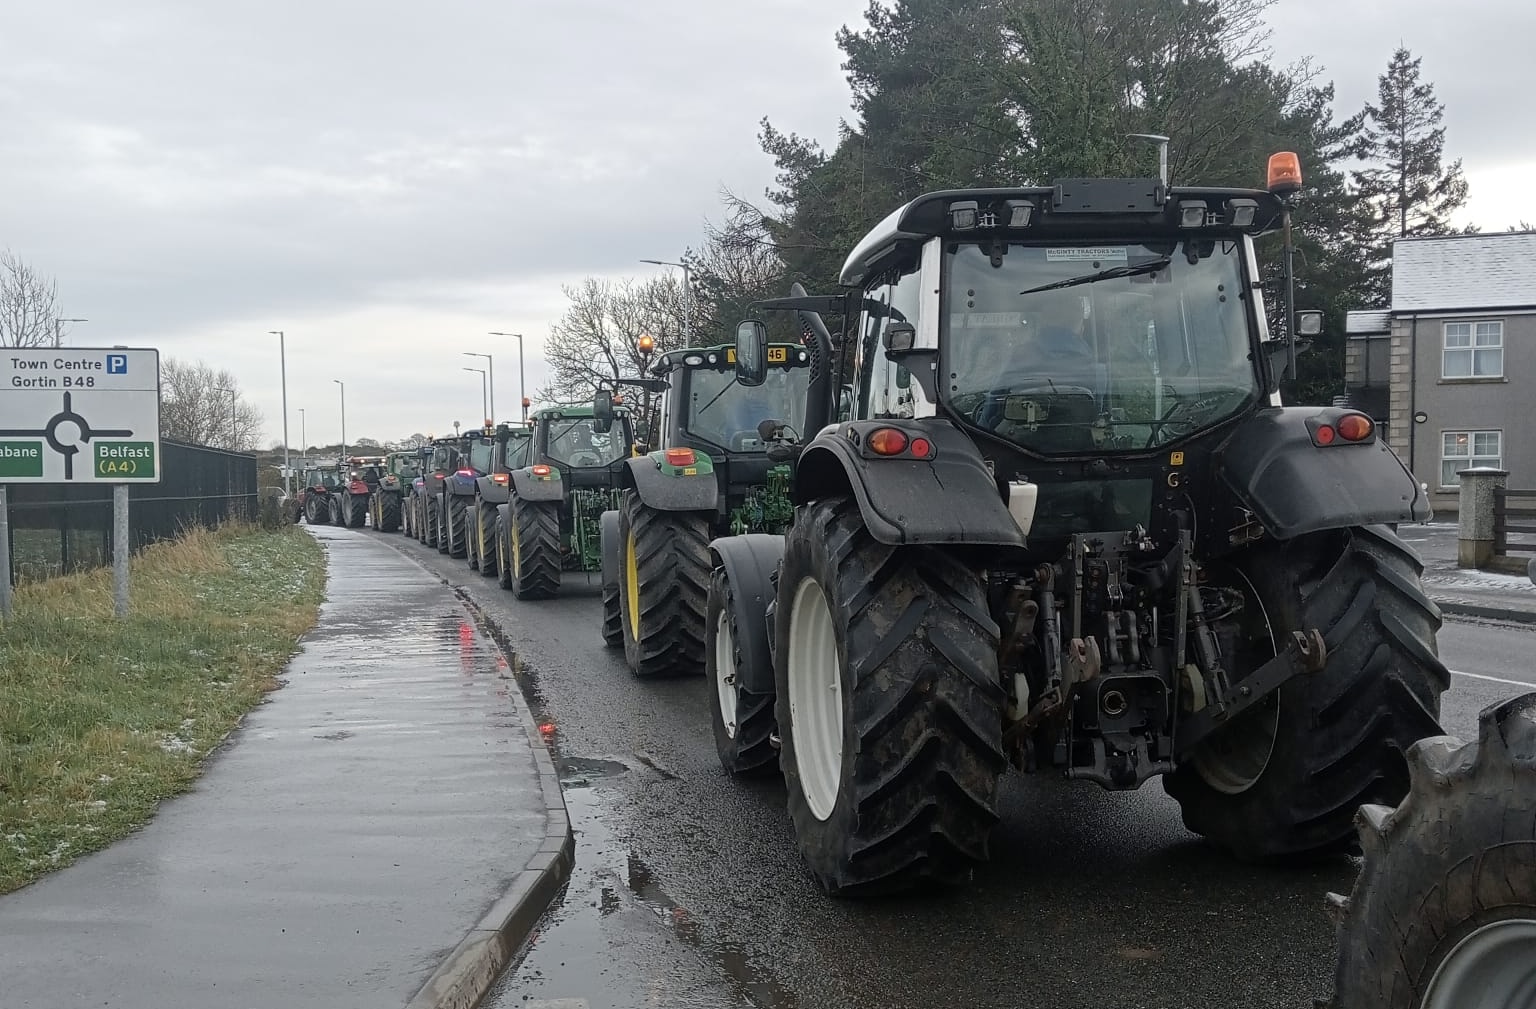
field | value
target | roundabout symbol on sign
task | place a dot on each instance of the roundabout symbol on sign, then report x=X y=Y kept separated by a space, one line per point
x=69 y=444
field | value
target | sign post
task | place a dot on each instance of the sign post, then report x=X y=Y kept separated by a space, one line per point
x=5 y=555
x=73 y=415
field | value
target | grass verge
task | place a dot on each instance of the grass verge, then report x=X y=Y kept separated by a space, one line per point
x=101 y=719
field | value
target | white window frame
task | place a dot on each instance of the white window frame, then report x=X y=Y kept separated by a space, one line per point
x=1471 y=457
x=1480 y=335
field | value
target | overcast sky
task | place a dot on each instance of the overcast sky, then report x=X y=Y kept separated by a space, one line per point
x=386 y=182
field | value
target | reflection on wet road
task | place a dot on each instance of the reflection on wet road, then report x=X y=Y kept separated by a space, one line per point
x=688 y=890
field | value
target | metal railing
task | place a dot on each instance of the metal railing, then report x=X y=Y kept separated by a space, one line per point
x=61 y=528
x=1517 y=519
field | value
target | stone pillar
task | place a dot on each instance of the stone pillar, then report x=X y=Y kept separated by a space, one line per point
x=1474 y=519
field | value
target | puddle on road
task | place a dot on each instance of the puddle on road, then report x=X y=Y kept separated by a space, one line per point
x=616 y=938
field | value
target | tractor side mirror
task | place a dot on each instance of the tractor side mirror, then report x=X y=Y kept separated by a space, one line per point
x=751 y=353
x=845 y=403
x=602 y=411
x=1309 y=323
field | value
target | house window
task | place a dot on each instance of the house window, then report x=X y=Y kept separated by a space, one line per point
x=1466 y=449
x=1473 y=350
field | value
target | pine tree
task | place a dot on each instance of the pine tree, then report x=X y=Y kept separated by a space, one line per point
x=1410 y=189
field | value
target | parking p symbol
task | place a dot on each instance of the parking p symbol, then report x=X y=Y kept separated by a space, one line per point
x=117 y=364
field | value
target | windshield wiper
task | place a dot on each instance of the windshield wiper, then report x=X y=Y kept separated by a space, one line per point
x=716 y=396
x=1109 y=274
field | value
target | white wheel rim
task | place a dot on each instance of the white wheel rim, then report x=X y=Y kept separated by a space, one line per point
x=725 y=673
x=1238 y=767
x=1493 y=968
x=815 y=698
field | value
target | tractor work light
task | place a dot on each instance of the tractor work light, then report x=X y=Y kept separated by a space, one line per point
x=1284 y=173
x=680 y=457
x=963 y=215
x=1019 y=213
x=887 y=441
x=646 y=343
x=693 y=360
x=1240 y=213
x=1192 y=213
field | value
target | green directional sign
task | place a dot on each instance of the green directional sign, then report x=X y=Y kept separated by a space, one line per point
x=125 y=460
x=21 y=459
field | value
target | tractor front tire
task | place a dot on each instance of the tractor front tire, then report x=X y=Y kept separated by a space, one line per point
x=743 y=721
x=503 y=554
x=1282 y=783
x=1443 y=913
x=664 y=569
x=534 y=548
x=613 y=617
x=888 y=704
x=317 y=512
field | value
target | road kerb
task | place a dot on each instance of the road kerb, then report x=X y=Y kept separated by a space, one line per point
x=472 y=968
x=1458 y=608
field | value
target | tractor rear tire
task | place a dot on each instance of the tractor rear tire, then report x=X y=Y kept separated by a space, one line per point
x=503 y=554
x=1282 y=783
x=1444 y=910
x=458 y=526
x=664 y=568
x=744 y=734
x=389 y=513
x=484 y=539
x=534 y=548
x=317 y=511
x=357 y=504
x=613 y=617
x=889 y=706
x=442 y=527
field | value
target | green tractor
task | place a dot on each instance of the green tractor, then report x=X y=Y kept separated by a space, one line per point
x=720 y=467
x=493 y=488
x=1066 y=524
x=387 y=504
x=550 y=523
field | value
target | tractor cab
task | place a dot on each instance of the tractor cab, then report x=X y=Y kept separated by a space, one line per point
x=366 y=470
x=586 y=450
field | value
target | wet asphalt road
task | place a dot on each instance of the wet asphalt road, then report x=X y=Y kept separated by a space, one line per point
x=688 y=891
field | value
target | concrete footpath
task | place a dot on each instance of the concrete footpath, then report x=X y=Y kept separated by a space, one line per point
x=1466 y=592
x=383 y=831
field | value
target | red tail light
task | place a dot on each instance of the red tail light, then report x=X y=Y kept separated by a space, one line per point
x=1324 y=435
x=541 y=470
x=681 y=457
x=500 y=477
x=464 y=472
x=1355 y=427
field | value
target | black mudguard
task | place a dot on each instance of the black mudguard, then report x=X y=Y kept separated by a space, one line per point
x=1294 y=487
x=750 y=562
x=949 y=498
x=492 y=492
x=460 y=486
x=665 y=492
x=531 y=488
x=608 y=546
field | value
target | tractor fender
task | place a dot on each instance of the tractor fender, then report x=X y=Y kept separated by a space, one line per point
x=1294 y=487
x=608 y=545
x=460 y=486
x=534 y=488
x=672 y=488
x=949 y=497
x=750 y=563
x=492 y=492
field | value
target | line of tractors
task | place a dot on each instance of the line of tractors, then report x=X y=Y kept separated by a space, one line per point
x=1035 y=504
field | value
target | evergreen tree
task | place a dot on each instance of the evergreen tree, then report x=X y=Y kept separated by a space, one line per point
x=1409 y=189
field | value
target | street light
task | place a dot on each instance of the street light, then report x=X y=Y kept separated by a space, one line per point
x=522 y=383
x=282 y=353
x=57 y=340
x=304 y=436
x=490 y=370
x=687 y=297
x=483 y=407
x=343 y=415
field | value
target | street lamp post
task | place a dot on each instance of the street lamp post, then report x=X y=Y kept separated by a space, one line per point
x=483 y=407
x=343 y=415
x=303 y=436
x=57 y=337
x=282 y=354
x=522 y=382
x=687 y=297
x=490 y=373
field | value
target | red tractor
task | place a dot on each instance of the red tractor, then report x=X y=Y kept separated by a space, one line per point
x=363 y=474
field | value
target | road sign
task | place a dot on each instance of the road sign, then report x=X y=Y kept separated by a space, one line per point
x=79 y=415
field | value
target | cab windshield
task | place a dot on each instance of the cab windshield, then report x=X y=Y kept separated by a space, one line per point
x=574 y=442
x=1074 y=349
x=480 y=451
x=722 y=412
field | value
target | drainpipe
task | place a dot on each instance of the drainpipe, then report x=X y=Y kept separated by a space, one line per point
x=1413 y=395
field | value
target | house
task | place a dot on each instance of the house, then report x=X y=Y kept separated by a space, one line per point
x=1449 y=369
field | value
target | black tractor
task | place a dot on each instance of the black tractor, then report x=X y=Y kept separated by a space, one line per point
x=720 y=467
x=439 y=459
x=457 y=497
x=1066 y=524
x=509 y=451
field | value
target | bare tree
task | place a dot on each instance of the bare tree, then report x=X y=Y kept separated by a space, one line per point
x=597 y=339
x=29 y=305
x=204 y=407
